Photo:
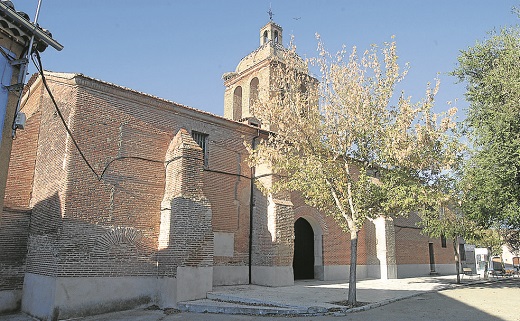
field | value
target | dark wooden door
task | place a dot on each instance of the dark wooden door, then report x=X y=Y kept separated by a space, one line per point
x=432 y=257
x=303 y=263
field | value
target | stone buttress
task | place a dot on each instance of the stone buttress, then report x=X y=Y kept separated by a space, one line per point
x=185 y=255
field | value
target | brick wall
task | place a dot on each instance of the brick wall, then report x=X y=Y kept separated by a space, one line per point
x=336 y=242
x=367 y=251
x=23 y=158
x=227 y=185
x=110 y=227
x=14 y=233
x=284 y=233
x=15 y=217
x=49 y=182
x=263 y=251
x=411 y=246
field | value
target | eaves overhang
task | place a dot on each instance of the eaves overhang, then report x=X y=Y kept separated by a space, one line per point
x=18 y=26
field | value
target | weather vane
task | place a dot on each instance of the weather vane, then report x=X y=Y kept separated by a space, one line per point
x=270 y=12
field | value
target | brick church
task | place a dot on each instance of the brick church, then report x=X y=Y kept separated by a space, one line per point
x=169 y=207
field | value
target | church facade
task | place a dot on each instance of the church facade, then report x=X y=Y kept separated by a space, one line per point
x=167 y=206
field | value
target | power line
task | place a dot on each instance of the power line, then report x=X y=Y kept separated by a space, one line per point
x=99 y=177
x=39 y=67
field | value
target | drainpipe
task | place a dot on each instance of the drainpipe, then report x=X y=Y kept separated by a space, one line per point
x=251 y=207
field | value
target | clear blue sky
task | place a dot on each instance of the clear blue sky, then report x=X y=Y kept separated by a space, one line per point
x=178 y=50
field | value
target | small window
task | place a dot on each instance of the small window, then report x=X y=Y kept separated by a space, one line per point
x=276 y=36
x=266 y=39
x=443 y=240
x=202 y=140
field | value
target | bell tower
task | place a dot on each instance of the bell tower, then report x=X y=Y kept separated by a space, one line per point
x=255 y=78
x=271 y=32
x=251 y=78
x=258 y=82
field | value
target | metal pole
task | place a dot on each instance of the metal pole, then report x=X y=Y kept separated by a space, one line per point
x=23 y=69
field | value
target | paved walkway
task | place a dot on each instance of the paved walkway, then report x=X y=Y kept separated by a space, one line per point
x=314 y=297
x=304 y=298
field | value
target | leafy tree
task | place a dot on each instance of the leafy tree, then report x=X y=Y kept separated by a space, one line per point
x=490 y=239
x=350 y=147
x=512 y=239
x=491 y=177
x=446 y=220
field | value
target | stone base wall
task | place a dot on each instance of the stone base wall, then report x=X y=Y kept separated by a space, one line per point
x=52 y=298
x=417 y=270
x=272 y=275
x=10 y=301
x=342 y=272
x=230 y=275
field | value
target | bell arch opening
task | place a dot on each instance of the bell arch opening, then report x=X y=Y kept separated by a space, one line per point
x=253 y=94
x=237 y=103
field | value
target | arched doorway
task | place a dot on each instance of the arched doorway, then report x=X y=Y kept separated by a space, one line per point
x=303 y=262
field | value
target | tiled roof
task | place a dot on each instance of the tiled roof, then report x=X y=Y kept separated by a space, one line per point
x=18 y=26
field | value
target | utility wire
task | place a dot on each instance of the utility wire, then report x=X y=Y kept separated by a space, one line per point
x=99 y=177
x=126 y=157
x=44 y=80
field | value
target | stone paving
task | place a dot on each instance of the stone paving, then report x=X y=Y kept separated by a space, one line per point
x=314 y=297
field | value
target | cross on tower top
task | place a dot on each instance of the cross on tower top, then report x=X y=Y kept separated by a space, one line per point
x=270 y=13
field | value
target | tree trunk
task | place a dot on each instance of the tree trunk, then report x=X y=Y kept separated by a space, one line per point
x=352 y=301
x=457 y=265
